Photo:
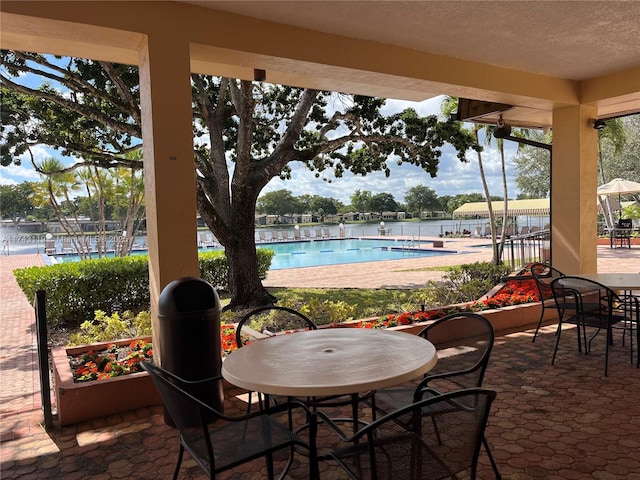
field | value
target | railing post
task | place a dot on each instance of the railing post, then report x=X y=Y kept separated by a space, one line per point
x=40 y=308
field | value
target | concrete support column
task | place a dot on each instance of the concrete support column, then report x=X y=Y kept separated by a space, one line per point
x=169 y=168
x=573 y=190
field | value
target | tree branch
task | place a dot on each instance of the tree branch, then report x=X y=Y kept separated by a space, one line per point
x=133 y=130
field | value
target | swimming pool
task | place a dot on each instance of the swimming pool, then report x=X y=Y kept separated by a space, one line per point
x=335 y=252
x=325 y=252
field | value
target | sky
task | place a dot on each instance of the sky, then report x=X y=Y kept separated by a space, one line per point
x=453 y=176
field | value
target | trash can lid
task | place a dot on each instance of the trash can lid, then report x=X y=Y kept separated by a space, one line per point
x=187 y=294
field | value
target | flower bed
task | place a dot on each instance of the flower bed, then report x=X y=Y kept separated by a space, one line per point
x=79 y=401
x=101 y=379
x=114 y=361
x=519 y=289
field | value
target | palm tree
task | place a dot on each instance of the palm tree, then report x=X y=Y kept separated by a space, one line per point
x=59 y=184
x=615 y=134
x=449 y=104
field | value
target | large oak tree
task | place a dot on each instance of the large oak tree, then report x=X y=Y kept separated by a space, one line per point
x=245 y=134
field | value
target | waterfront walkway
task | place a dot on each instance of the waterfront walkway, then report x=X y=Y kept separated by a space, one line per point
x=548 y=422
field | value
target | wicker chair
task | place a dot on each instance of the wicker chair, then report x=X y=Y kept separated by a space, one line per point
x=435 y=438
x=236 y=440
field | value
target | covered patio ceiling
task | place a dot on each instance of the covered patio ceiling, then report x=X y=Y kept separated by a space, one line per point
x=594 y=45
x=535 y=56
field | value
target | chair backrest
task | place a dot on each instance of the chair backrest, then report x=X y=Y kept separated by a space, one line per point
x=273 y=320
x=431 y=439
x=624 y=223
x=585 y=296
x=188 y=413
x=544 y=274
x=461 y=362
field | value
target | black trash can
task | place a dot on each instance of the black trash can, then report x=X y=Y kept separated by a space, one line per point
x=189 y=321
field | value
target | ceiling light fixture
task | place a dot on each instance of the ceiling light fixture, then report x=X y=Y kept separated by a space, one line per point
x=259 y=75
x=502 y=130
x=599 y=124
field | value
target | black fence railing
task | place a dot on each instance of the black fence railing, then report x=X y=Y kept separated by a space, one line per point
x=523 y=249
x=43 y=356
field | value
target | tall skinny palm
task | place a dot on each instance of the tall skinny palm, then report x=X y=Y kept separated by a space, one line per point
x=449 y=104
x=615 y=134
x=59 y=184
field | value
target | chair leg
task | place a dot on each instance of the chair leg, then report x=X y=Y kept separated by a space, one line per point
x=269 y=460
x=558 y=334
x=535 y=334
x=496 y=472
x=177 y=470
x=354 y=412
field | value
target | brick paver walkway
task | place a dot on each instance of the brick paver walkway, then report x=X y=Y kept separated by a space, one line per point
x=548 y=422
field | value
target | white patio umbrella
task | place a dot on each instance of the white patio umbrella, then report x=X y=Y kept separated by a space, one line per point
x=618 y=186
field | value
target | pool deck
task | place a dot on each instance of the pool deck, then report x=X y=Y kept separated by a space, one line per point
x=413 y=273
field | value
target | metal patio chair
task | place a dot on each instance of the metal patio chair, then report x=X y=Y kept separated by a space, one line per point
x=434 y=438
x=461 y=364
x=235 y=440
x=277 y=320
x=589 y=304
x=544 y=274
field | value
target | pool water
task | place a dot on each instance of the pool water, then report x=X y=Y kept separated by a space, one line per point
x=335 y=252
x=325 y=252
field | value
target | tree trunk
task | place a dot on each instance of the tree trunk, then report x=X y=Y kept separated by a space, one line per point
x=238 y=238
x=487 y=195
x=244 y=278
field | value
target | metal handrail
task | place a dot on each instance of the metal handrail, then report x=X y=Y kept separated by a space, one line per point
x=521 y=250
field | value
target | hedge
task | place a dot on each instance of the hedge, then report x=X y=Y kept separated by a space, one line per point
x=76 y=290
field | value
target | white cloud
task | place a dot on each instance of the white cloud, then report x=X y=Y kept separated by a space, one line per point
x=15 y=174
x=453 y=177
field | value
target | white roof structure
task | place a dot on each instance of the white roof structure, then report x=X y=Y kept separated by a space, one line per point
x=537 y=206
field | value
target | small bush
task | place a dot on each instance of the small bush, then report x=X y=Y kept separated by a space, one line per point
x=74 y=291
x=213 y=267
x=464 y=283
x=328 y=311
x=106 y=328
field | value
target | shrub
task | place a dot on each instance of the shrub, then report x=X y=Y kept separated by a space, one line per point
x=76 y=290
x=213 y=267
x=328 y=311
x=464 y=283
x=105 y=328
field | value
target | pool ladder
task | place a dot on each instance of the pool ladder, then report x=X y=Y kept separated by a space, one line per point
x=410 y=243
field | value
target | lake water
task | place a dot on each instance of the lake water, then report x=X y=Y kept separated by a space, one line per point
x=14 y=243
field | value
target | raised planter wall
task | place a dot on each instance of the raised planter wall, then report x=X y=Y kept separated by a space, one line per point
x=77 y=402
x=503 y=319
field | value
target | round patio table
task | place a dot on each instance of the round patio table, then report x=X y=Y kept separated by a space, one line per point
x=334 y=361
